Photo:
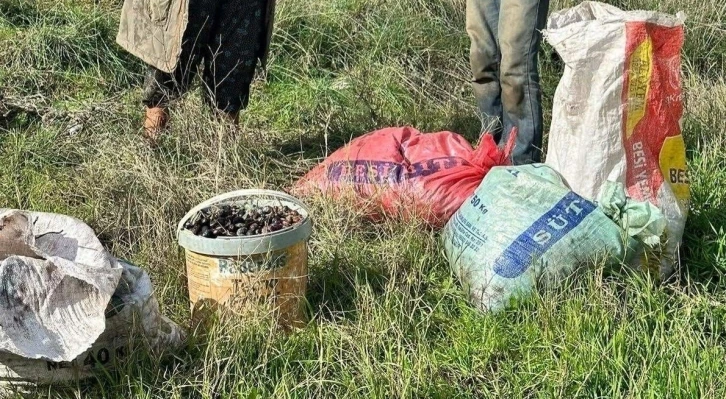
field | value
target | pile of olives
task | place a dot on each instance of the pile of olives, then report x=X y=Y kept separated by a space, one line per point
x=241 y=220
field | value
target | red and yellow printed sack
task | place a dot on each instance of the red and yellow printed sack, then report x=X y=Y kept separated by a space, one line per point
x=618 y=108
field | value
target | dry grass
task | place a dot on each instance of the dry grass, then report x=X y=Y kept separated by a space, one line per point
x=387 y=317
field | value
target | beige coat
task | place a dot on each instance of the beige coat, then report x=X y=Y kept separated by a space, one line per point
x=153 y=30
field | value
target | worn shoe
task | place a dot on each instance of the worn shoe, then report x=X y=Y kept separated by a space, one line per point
x=155 y=123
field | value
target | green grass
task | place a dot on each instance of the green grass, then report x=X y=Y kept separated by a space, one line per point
x=388 y=319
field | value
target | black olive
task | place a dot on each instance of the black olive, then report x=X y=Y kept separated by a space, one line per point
x=241 y=231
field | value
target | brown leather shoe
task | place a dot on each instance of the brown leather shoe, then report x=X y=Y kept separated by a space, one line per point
x=155 y=123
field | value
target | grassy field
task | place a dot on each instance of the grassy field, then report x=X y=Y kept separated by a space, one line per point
x=388 y=320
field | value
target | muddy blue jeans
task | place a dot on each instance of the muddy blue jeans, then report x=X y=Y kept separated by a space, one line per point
x=505 y=38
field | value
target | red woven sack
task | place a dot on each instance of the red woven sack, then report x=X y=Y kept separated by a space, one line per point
x=404 y=173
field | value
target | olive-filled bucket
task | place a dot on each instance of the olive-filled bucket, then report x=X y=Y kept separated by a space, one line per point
x=248 y=273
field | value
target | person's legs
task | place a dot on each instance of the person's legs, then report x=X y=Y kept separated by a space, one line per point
x=482 y=19
x=161 y=87
x=520 y=26
x=231 y=59
x=158 y=88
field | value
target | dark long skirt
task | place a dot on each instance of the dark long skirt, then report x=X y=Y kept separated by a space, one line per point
x=227 y=37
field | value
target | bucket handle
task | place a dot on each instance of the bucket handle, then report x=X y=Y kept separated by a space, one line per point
x=234 y=194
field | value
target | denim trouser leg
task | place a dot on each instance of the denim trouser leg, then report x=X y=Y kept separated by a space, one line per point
x=482 y=20
x=516 y=38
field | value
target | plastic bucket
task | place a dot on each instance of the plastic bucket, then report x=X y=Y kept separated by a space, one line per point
x=245 y=274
